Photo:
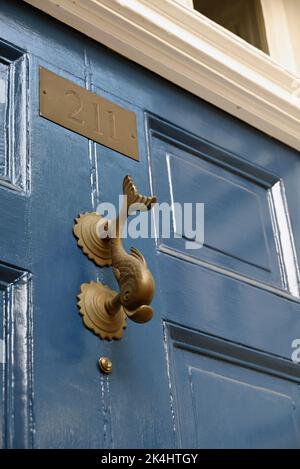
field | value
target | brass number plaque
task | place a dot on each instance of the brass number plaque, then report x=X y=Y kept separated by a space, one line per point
x=88 y=114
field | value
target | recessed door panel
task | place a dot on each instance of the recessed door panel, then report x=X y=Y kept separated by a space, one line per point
x=246 y=219
x=234 y=400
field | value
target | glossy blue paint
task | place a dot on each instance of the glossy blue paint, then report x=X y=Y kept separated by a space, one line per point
x=16 y=386
x=213 y=368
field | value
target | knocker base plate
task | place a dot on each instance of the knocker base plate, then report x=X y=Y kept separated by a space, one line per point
x=91 y=303
x=95 y=248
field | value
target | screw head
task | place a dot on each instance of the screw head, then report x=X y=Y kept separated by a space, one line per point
x=105 y=365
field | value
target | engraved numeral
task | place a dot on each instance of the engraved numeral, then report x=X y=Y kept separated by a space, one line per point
x=97 y=127
x=112 y=125
x=77 y=108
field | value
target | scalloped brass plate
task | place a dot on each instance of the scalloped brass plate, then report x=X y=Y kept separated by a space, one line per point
x=91 y=303
x=95 y=248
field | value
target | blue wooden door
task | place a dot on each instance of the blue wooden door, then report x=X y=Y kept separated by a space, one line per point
x=213 y=368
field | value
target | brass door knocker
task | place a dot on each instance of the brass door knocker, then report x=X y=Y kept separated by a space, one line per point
x=104 y=311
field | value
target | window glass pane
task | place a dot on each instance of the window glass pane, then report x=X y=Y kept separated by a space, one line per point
x=242 y=17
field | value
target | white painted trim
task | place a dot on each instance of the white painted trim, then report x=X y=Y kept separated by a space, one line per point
x=193 y=52
x=188 y=3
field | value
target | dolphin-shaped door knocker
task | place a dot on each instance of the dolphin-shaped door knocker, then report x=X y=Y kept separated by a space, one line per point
x=104 y=311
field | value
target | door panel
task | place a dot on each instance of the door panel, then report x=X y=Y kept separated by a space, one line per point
x=225 y=314
x=13 y=116
x=243 y=226
x=227 y=396
x=16 y=330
